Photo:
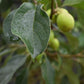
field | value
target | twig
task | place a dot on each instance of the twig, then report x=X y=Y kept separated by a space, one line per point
x=54 y=55
x=52 y=8
x=52 y=11
x=51 y=54
x=68 y=56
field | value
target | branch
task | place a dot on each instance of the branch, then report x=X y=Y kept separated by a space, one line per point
x=75 y=55
x=54 y=55
x=52 y=8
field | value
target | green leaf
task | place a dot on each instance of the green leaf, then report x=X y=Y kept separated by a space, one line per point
x=80 y=13
x=7 y=72
x=5 y=4
x=81 y=39
x=7 y=28
x=65 y=80
x=32 y=26
x=46 y=3
x=4 y=52
x=72 y=2
x=81 y=61
x=0 y=1
x=22 y=77
x=48 y=72
x=72 y=41
x=80 y=5
x=58 y=63
x=59 y=2
x=73 y=78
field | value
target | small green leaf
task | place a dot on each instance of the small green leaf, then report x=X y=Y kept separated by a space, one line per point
x=48 y=72
x=32 y=26
x=72 y=2
x=7 y=72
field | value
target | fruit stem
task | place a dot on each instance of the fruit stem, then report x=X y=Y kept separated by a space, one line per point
x=52 y=8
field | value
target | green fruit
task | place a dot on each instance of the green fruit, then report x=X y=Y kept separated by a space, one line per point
x=61 y=10
x=48 y=12
x=65 y=22
x=55 y=44
x=54 y=18
x=51 y=37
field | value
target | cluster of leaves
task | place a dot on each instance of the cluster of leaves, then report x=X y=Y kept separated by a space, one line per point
x=24 y=44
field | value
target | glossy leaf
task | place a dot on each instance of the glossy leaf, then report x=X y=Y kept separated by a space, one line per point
x=32 y=26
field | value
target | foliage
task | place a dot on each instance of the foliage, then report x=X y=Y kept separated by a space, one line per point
x=26 y=55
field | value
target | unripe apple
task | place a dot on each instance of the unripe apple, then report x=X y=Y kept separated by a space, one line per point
x=48 y=12
x=54 y=18
x=65 y=22
x=61 y=10
x=58 y=11
x=55 y=44
x=51 y=37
